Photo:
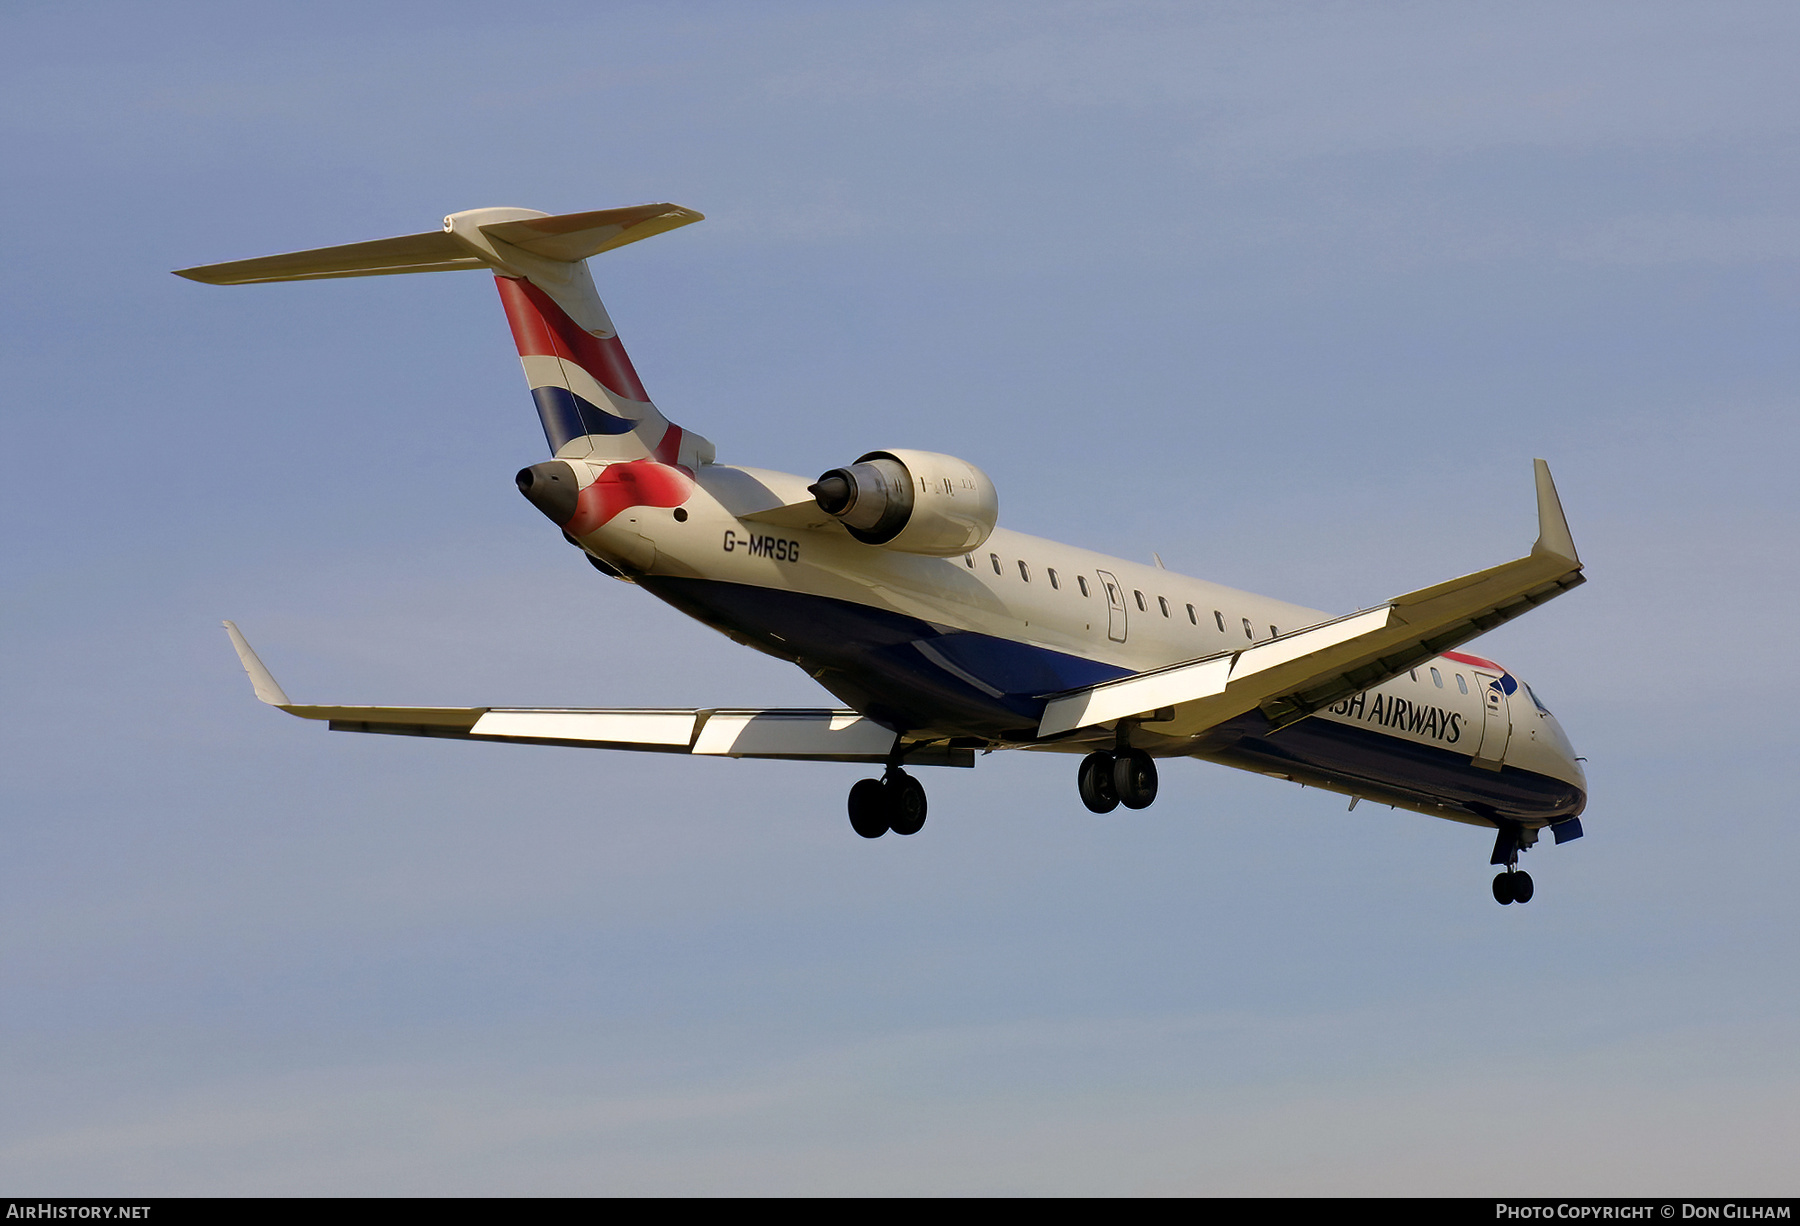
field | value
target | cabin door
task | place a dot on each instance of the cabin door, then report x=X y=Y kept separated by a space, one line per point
x=1115 y=607
x=1496 y=719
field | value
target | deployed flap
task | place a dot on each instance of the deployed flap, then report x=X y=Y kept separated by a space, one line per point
x=798 y=733
x=794 y=733
x=1292 y=676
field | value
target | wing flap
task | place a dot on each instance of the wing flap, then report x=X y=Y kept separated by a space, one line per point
x=841 y=735
x=631 y=729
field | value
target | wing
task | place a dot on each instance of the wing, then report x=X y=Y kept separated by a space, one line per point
x=1292 y=676
x=795 y=733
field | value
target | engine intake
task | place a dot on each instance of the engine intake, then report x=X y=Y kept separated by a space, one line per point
x=912 y=501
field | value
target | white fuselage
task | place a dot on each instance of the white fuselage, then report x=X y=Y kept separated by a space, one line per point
x=754 y=531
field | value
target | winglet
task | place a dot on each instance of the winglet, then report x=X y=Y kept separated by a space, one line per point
x=260 y=679
x=1553 y=527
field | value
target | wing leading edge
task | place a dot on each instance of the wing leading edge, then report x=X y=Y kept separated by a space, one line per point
x=1292 y=676
x=793 y=733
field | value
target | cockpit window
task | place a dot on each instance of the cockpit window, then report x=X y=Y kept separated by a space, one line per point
x=1536 y=701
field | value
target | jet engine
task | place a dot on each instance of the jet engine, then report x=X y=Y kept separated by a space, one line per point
x=913 y=501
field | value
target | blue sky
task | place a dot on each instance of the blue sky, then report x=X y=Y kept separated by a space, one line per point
x=1289 y=295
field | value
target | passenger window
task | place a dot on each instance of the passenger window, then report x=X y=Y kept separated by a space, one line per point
x=1413 y=673
x=1461 y=684
x=1274 y=633
x=1248 y=632
x=1164 y=604
x=1081 y=582
x=1193 y=617
x=995 y=559
x=1142 y=607
x=1054 y=585
x=1436 y=679
x=969 y=560
x=1024 y=571
x=1220 y=618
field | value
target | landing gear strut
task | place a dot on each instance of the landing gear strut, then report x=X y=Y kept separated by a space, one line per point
x=896 y=802
x=1513 y=885
x=1109 y=780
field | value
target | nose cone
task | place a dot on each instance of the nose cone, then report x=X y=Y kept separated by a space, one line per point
x=551 y=488
x=1567 y=766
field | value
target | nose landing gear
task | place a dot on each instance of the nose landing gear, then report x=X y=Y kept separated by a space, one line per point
x=896 y=802
x=1513 y=885
x=1107 y=781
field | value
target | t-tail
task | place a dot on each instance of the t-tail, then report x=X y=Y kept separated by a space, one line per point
x=588 y=396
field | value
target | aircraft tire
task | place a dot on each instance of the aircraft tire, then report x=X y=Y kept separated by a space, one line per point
x=1503 y=891
x=1095 y=779
x=905 y=802
x=869 y=808
x=1134 y=779
x=1522 y=889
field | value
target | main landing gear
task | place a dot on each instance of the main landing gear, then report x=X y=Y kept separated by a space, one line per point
x=896 y=802
x=1109 y=780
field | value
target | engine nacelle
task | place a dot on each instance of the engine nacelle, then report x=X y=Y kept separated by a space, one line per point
x=913 y=501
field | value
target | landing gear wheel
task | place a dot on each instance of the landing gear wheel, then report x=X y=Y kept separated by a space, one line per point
x=905 y=802
x=1503 y=890
x=1521 y=886
x=1134 y=779
x=869 y=808
x=1096 y=782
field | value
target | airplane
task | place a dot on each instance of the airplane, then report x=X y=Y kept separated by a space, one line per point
x=890 y=582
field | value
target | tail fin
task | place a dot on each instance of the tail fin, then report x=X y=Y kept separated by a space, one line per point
x=588 y=396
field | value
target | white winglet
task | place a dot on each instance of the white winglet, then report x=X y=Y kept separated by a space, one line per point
x=260 y=678
x=1553 y=526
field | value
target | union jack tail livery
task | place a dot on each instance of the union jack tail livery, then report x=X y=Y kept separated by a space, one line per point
x=588 y=396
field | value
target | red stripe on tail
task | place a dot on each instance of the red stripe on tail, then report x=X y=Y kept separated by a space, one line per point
x=540 y=328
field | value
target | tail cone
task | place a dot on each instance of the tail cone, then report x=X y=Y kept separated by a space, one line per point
x=551 y=488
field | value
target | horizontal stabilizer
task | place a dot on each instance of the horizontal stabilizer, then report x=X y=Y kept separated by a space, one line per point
x=576 y=236
x=805 y=734
x=1296 y=674
x=435 y=251
x=565 y=238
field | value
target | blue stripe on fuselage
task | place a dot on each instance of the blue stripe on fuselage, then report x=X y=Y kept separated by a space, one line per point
x=1346 y=755
x=881 y=663
x=873 y=658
